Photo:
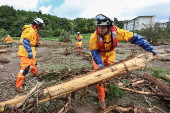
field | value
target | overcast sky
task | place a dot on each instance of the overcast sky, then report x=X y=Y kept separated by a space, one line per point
x=72 y=9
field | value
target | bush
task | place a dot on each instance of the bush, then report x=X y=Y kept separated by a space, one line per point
x=57 y=32
x=3 y=32
x=45 y=33
x=65 y=37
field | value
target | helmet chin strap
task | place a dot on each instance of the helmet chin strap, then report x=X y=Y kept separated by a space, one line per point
x=38 y=27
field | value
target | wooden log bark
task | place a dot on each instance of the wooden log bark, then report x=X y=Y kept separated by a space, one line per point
x=89 y=79
x=157 y=82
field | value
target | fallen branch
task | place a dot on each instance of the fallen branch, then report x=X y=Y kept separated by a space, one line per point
x=118 y=108
x=166 y=77
x=11 y=109
x=83 y=93
x=135 y=91
x=70 y=75
x=146 y=93
x=3 y=51
x=155 y=107
x=137 y=82
x=66 y=106
x=134 y=83
x=28 y=95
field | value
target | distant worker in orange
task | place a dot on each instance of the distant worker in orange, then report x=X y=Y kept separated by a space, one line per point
x=27 y=51
x=78 y=39
x=103 y=43
x=9 y=41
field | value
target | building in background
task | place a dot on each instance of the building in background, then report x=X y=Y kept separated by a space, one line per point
x=140 y=22
x=165 y=24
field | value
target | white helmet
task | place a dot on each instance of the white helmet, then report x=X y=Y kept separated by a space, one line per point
x=78 y=32
x=103 y=20
x=8 y=35
x=39 y=22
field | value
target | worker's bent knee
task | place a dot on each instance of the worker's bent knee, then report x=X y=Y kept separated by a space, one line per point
x=26 y=70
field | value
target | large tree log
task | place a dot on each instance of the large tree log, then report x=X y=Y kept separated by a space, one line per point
x=91 y=78
x=165 y=88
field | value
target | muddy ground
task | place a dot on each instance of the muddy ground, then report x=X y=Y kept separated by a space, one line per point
x=60 y=62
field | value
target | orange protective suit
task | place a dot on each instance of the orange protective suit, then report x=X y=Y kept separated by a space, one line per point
x=29 y=33
x=9 y=41
x=78 y=39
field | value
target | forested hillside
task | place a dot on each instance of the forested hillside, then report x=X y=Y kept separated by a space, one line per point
x=12 y=21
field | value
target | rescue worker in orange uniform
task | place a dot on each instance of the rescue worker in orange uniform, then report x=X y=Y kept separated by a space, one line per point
x=78 y=39
x=27 y=51
x=9 y=41
x=103 y=43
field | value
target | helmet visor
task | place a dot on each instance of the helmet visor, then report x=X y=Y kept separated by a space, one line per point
x=42 y=25
x=101 y=17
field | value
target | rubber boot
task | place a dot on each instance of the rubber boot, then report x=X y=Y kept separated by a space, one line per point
x=77 y=49
x=18 y=84
x=80 y=49
x=34 y=71
x=101 y=94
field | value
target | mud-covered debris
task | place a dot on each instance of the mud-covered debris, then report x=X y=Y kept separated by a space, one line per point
x=4 y=60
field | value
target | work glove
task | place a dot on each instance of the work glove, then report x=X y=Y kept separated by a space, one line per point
x=154 y=52
x=79 y=40
x=30 y=55
x=100 y=66
x=139 y=40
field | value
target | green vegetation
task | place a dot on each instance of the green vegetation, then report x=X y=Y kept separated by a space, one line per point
x=155 y=33
x=156 y=72
x=114 y=91
x=160 y=71
x=65 y=37
x=12 y=22
x=86 y=37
